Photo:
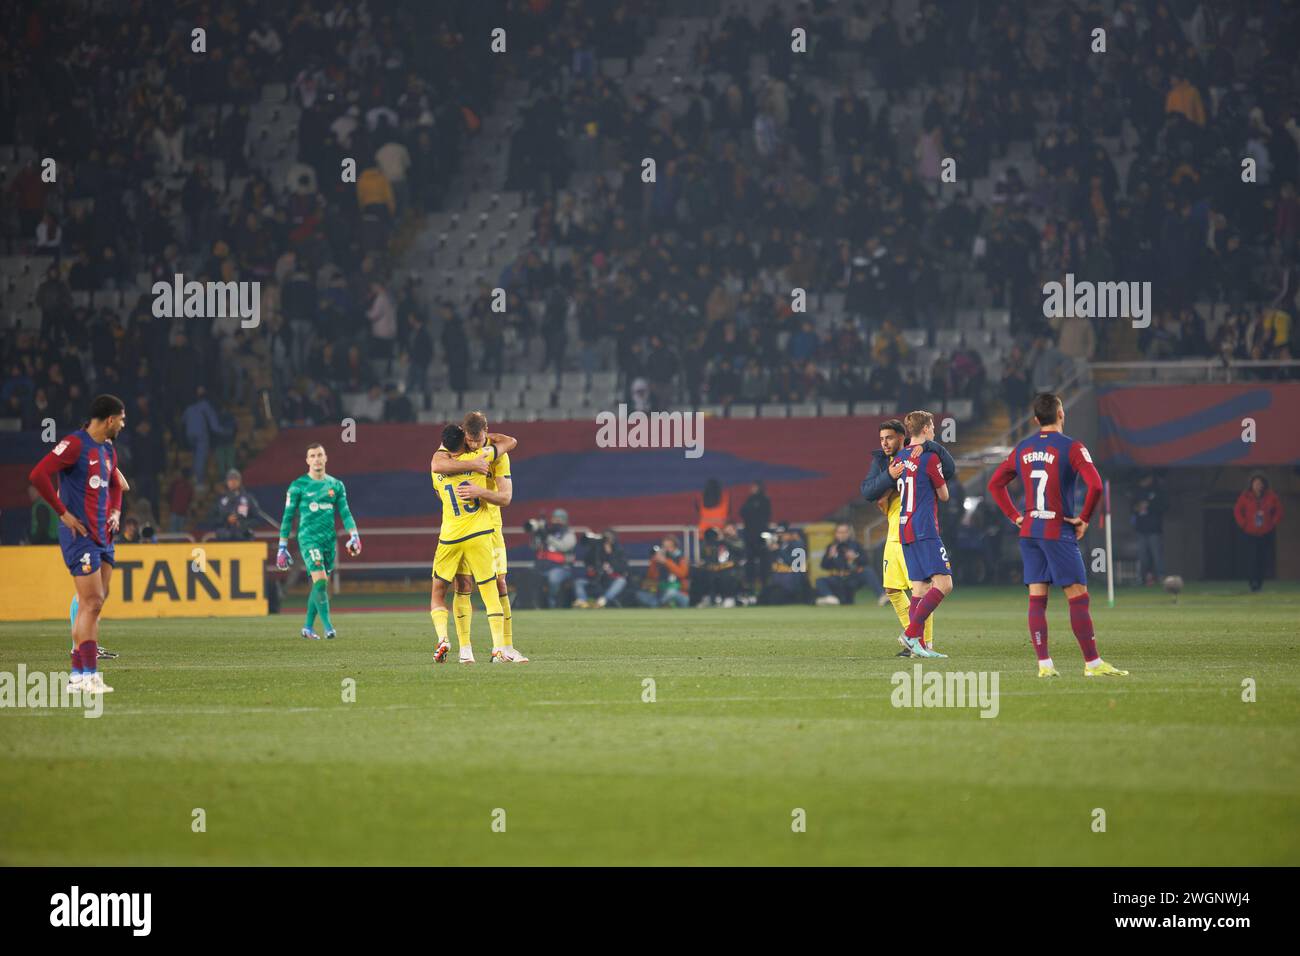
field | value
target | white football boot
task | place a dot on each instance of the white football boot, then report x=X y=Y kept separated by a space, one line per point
x=94 y=684
x=508 y=655
x=467 y=655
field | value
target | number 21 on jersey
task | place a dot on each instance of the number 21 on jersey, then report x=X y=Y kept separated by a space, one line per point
x=907 y=492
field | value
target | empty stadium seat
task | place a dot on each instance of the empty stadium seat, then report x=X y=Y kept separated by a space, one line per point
x=960 y=408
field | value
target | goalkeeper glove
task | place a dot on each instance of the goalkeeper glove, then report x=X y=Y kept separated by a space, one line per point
x=354 y=544
x=283 y=559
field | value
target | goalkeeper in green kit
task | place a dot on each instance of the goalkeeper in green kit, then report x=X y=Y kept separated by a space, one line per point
x=315 y=498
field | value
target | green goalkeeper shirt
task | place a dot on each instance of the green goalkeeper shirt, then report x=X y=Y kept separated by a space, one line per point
x=315 y=504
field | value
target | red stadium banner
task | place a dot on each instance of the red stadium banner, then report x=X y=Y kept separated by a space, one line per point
x=811 y=468
x=1250 y=424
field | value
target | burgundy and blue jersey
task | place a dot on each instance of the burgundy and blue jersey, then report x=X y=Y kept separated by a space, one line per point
x=1049 y=466
x=88 y=484
x=922 y=477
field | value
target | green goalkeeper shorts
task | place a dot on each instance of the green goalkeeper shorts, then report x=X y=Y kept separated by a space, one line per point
x=318 y=555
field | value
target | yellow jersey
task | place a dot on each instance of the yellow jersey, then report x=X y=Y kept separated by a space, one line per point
x=895 y=509
x=464 y=519
x=500 y=469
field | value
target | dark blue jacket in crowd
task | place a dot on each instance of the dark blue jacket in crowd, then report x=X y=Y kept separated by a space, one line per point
x=878 y=481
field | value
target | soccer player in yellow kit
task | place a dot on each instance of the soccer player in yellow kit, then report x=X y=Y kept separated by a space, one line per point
x=497 y=494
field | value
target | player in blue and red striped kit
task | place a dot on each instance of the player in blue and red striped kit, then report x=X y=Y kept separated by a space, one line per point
x=1049 y=464
x=921 y=487
x=88 y=501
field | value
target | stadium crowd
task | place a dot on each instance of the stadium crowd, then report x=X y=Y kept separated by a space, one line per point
x=156 y=175
x=770 y=179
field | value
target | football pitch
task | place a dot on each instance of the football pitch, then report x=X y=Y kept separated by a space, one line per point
x=655 y=737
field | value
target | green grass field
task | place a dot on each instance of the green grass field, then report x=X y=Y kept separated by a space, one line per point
x=758 y=712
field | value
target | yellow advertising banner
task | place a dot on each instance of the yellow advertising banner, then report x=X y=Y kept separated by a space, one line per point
x=212 y=579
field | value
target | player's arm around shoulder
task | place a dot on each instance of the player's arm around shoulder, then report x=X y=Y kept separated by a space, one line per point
x=444 y=462
x=933 y=469
x=947 y=465
x=505 y=491
x=878 y=482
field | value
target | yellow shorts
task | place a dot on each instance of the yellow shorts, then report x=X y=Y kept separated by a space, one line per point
x=894 y=574
x=498 y=551
x=472 y=556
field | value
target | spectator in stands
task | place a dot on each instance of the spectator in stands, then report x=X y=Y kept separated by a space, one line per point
x=1078 y=340
x=200 y=423
x=370 y=407
x=381 y=313
x=397 y=407
x=846 y=567
x=666 y=582
x=1148 y=518
x=1049 y=366
x=394 y=160
x=180 y=495
x=54 y=299
x=378 y=207
x=417 y=344
x=1258 y=512
x=555 y=543
x=1185 y=99
x=49 y=236
x=147 y=454
x=605 y=568
x=455 y=350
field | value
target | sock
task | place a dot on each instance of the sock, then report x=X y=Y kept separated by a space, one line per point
x=1081 y=622
x=1038 y=625
x=310 y=623
x=901 y=607
x=439 y=615
x=1045 y=662
x=462 y=606
x=322 y=591
x=495 y=615
x=923 y=609
x=929 y=630
x=75 y=655
x=89 y=656
x=507 y=632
